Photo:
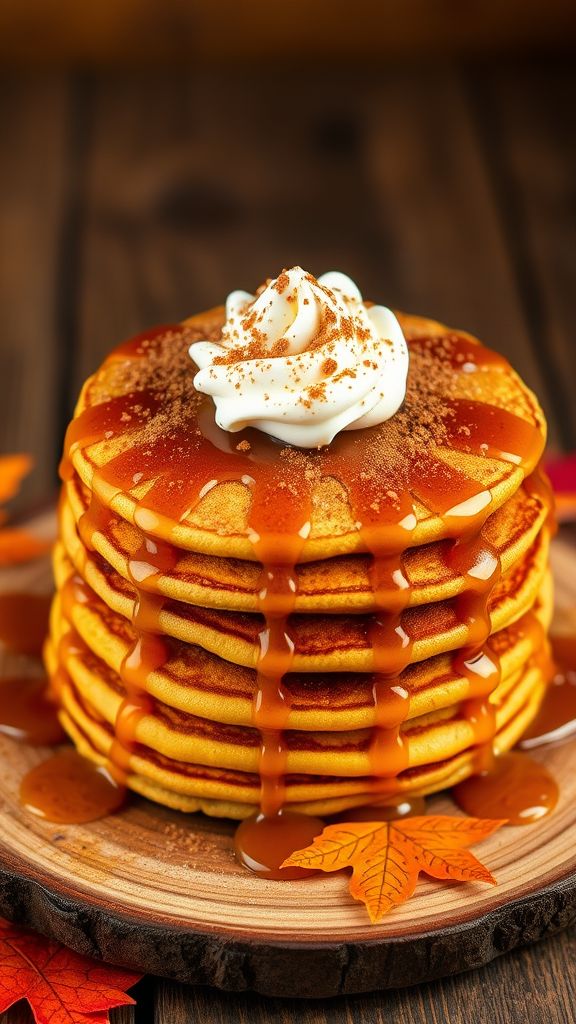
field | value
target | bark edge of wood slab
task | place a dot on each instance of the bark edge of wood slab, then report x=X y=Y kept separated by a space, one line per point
x=120 y=890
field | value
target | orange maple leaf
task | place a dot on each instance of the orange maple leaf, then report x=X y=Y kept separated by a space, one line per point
x=387 y=857
x=16 y=545
x=13 y=469
x=20 y=546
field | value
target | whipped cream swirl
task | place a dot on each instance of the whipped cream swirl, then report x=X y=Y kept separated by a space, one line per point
x=303 y=360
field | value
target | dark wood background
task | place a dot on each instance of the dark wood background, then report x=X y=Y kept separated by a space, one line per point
x=141 y=197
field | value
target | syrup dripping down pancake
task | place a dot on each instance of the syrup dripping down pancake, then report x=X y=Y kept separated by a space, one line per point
x=333 y=585
x=380 y=553
x=181 y=736
x=201 y=684
x=329 y=643
x=233 y=793
x=146 y=441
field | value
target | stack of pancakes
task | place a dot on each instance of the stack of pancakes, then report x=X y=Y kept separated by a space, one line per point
x=158 y=624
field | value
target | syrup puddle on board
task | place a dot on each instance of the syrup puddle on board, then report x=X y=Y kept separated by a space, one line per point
x=70 y=790
x=263 y=842
x=28 y=713
x=516 y=788
x=556 y=720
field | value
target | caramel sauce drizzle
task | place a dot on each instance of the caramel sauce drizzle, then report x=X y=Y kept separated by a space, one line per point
x=556 y=719
x=177 y=469
x=28 y=712
x=149 y=650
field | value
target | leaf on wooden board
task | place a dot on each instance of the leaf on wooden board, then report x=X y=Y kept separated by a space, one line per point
x=61 y=986
x=387 y=857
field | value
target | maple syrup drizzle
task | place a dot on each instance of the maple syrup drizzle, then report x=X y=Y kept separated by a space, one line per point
x=516 y=788
x=390 y=643
x=150 y=650
x=556 y=720
x=279 y=521
x=28 y=713
x=66 y=788
x=479 y=563
x=69 y=789
x=264 y=842
x=397 y=807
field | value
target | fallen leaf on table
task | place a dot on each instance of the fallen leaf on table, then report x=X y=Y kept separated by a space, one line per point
x=20 y=546
x=16 y=545
x=13 y=469
x=61 y=987
x=387 y=857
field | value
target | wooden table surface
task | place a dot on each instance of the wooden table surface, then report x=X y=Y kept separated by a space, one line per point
x=132 y=199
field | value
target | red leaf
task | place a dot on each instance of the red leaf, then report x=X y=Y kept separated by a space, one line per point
x=61 y=987
x=562 y=473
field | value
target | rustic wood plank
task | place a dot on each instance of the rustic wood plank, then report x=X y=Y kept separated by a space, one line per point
x=153 y=31
x=443 y=250
x=33 y=183
x=525 y=114
x=19 y=1014
x=531 y=985
x=123 y=1015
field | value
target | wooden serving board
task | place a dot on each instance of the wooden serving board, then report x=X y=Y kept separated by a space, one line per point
x=161 y=892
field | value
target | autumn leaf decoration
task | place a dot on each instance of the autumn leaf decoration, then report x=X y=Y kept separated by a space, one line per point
x=16 y=545
x=61 y=987
x=387 y=857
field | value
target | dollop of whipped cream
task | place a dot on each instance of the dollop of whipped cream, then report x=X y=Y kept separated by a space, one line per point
x=304 y=359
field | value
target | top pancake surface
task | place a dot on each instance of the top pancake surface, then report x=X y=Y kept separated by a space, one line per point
x=145 y=456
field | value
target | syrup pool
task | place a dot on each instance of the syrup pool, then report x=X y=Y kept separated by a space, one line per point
x=556 y=720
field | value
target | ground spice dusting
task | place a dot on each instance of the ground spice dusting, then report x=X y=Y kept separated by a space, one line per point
x=389 y=452
x=329 y=367
x=282 y=282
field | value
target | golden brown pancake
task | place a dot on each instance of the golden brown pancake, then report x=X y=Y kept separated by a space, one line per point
x=330 y=643
x=333 y=585
x=200 y=683
x=161 y=405
x=182 y=736
x=234 y=793
x=228 y=587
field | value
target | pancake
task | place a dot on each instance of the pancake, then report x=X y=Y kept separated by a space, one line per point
x=241 y=624
x=181 y=736
x=234 y=793
x=200 y=684
x=329 y=643
x=146 y=443
x=333 y=585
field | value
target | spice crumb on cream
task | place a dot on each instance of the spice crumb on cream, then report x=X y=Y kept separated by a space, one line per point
x=304 y=359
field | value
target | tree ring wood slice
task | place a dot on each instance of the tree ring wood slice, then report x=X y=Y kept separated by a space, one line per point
x=161 y=892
